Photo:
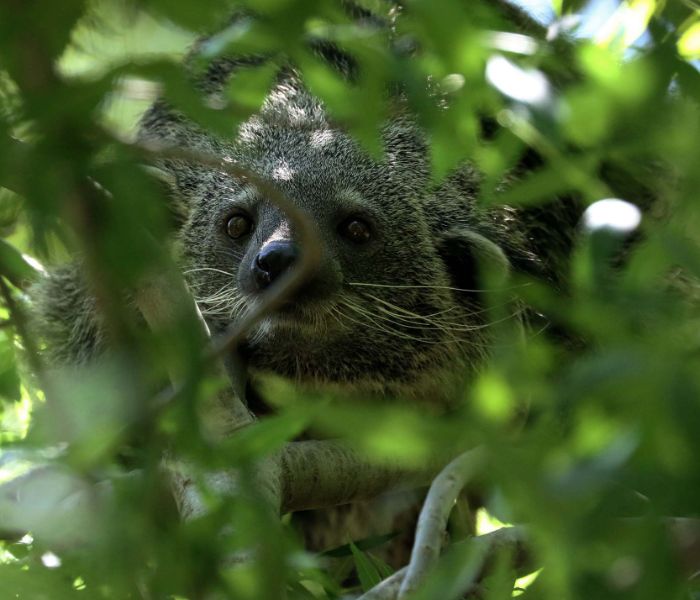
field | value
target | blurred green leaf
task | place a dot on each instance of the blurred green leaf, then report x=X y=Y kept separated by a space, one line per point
x=197 y=17
x=37 y=583
x=588 y=406
x=9 y=378
x=15 y=266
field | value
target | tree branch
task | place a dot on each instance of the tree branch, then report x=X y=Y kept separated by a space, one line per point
x=487 y=546
x=164 y=301
x=432 y=521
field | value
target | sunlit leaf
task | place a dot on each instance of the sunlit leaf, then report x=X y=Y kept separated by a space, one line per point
x=689 y=42
x=627 y=24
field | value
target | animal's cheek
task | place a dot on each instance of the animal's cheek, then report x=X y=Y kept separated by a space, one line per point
x=326 y=282
x=245 y=281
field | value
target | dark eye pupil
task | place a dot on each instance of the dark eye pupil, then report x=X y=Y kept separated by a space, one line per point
x=357 y=231
x=238 y=226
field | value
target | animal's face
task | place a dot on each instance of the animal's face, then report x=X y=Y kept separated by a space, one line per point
x=381 y=313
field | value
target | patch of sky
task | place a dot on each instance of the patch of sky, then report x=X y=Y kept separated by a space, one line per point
x=593 y=18
x=594 y=14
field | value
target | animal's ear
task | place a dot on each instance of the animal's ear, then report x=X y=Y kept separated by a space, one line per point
x=406 y=149
x=473 y=259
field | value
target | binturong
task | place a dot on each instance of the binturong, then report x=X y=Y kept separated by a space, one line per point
x=392 y=307
x=395 y=307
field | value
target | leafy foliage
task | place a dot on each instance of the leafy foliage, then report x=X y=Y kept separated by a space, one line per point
x=590 y=418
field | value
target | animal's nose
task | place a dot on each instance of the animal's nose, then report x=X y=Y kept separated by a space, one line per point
x=273 y=259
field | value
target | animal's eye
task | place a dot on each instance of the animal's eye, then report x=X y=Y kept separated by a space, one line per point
x=356 y=230
x=239 y=225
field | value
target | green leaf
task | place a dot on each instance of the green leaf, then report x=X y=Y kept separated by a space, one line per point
x=249 y=86
x=366 y=570
x=384 y=569
x=534 y=188
x=9 y=378
x=36 y=582
x=192 y=15
x=365 y=544
x=265 y=436
x=15 y=266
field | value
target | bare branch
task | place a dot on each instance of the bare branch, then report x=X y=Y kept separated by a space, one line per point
x=388 y=589
x=508 y=539
x=683 y=535
x=433 y=517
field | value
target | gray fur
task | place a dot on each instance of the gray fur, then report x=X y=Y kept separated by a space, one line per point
x=66 y=317
x=294 y=143
x=348 y=340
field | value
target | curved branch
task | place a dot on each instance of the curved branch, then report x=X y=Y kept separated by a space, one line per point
x=432 y=521
x=228 y=412
x=488 y=546
x=388 y=589
x=163 y=301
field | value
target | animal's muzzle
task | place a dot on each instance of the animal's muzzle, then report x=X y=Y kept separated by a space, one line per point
x=274 y=259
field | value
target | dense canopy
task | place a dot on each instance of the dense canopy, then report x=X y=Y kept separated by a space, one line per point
x=581 y=430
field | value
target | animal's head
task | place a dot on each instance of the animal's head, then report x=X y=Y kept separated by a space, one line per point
x=392 y=303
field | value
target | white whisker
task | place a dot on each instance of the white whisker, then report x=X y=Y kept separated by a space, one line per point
x=201 y=269
x=434 y=287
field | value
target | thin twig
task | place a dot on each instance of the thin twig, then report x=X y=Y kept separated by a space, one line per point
x=303 y=475
x=227 y=344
